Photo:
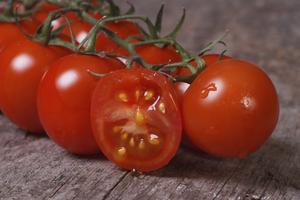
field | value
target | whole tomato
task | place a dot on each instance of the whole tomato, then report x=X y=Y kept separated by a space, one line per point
x=209 y=59
x=231 y=109
x=10 y=32
x=22 y=65
x=42 y=15
x=64 y=99
x=79 y=28
x=124 y=29
x=136 y=119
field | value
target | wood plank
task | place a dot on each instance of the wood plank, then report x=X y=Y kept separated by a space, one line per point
x=262 y=31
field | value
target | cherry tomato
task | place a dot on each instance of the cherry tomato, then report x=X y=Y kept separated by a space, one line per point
x=209 y=59
x=80 y=30
x=64 y=100
x=42 y=15
x=230 y=109
x=135 y=119
x=22 y=65
x=10 y=32
x=123 y=29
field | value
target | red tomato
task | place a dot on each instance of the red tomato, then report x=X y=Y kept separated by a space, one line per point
x=44 y=6
x=209 y=59
x=123 y=29
x=136 y=120
x=10 y=32
x=22 y=65
x=155 y=55
x=230 y=109
x=80 y=30
x=41 y=16
x=64 y=100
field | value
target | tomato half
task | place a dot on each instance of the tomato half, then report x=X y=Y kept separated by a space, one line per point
x=64 y=99
x=230 y=109
x=22 y=65
x=209 y=59
x=136 y=120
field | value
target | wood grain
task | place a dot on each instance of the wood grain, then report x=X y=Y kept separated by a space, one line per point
x=266 y=32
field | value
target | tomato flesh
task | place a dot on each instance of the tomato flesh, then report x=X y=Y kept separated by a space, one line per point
x=136 y=119
x=230 y=109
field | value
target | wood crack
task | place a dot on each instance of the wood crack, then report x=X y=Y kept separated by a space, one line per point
x=115 y=185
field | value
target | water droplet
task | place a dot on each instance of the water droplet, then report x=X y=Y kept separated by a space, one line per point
x=210 y=88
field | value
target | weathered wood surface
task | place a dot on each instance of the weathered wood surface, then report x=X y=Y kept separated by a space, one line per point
x=266 y=32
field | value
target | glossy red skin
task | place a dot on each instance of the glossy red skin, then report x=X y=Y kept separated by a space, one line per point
x=231 y=109
x=80 y=30
x=209 y=59
x=41 y=16
x=155 y=55
x=22 y=65
x=10 y=32
x=123 y=29
x=104 y=98
x=64 y=99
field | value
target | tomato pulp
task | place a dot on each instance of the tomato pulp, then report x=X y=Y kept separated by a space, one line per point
x=22 y=65
x=136 y=120
x=230 y=109
x=64 y=99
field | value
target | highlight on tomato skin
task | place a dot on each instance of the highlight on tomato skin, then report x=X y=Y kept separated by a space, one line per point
x=231 y=109
x=209 y=59
x=64 y=99
x=22 y=65
x=136 y=119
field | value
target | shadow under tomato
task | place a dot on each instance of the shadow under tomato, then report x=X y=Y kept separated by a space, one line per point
x=272 y=163
x=99 y=156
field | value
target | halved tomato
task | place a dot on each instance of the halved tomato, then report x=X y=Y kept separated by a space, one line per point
x=136 y=119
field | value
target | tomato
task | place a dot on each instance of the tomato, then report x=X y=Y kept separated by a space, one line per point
x=80 y=30
x=209 y=59
x=230 y=109
x=10 y=32
x=64 y=100
x=41 y=16
x=44 y=6
x=22 y=65
x=123 y=29
x=136 y=120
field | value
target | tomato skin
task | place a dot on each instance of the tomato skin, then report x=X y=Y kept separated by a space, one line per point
x=155 y=55
x=80 y=30
x=10 y=32
x=231 y=109
x=209 y=59
x=42 y=15
x=108 y=111
x=22 y=65
x=123 y=29
x=64 y=100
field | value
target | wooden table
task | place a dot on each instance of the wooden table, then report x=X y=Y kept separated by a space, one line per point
x=266 y=32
